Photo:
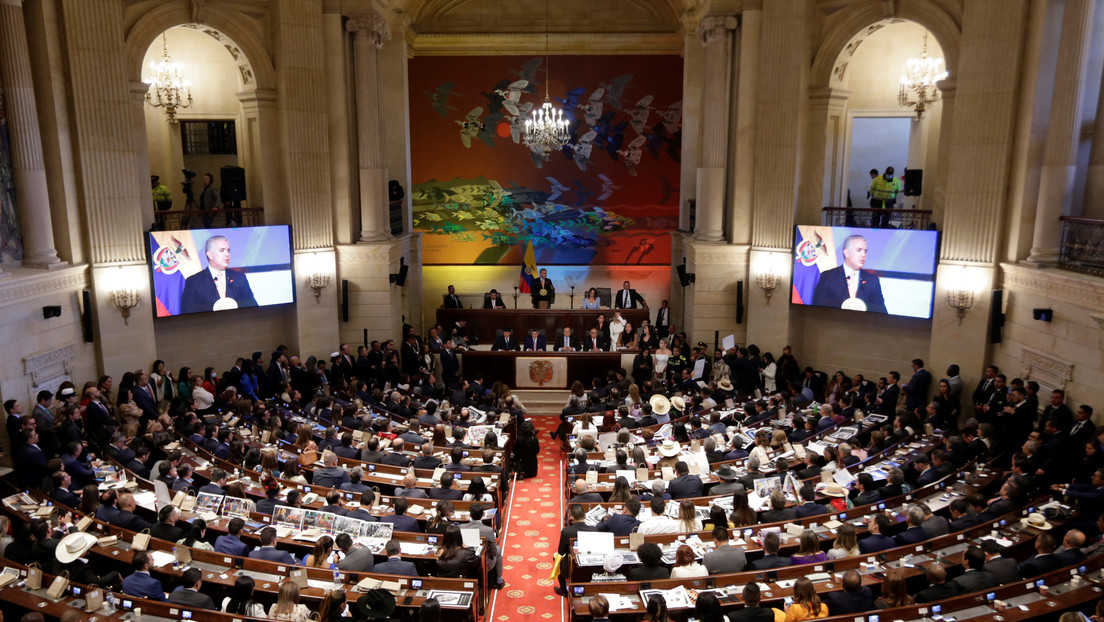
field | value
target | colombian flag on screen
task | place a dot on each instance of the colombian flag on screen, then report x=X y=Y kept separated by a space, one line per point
x=528 y=270
x=814 y=252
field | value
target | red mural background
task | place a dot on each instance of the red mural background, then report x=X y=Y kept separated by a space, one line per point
x=610 y=197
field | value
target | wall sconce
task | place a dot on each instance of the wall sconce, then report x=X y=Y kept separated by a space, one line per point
x=768 y=281
x=124 y=299
x=960 y=296
x=317 y=279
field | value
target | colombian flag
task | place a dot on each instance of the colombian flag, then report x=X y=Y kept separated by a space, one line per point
x=528 y=270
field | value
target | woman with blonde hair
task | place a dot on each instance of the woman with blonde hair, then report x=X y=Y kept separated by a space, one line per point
x=779 y=441
x=846 y=544
x=688 y=517
x=762 y=447
x=806 y=604
x=287 y=605
x=633 y=398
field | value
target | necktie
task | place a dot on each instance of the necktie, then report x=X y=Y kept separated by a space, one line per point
x=853 y=285
x=626 y=303
x=595 y=343
x=220 y=285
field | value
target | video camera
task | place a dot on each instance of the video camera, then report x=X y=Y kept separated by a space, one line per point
x=186 y=185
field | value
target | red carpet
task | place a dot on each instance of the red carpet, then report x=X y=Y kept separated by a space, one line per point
x=532 y=534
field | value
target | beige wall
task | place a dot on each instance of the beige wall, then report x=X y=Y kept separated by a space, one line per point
x=218 y=338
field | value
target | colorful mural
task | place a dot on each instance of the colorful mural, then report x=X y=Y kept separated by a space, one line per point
x=610 y=196
x=11 y=243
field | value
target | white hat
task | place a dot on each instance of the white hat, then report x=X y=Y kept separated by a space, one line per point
x=678 y=403
x=725 y=385
x=612 y=562
x=73 y=546
x=669 y=448
x=334 y=355
x=1036 y=520
x=660 y=404
x=834 y=490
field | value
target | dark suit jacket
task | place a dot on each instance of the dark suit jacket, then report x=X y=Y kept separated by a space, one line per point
x=964 y=522
x=685 y=486
x=65 y=497
x=874 y=543
x=191 y=598
x=498 y=303
x=142 y=585
x=770 y=561
x=752 y=614
x=272 y=554
x=452 y=494
x=841 y=603
x=811 y=508
x=619 y=299
x=402 y=522
x=917 y=392
x=774 y=516
x=619 y=524
x=539 y=346
x=831 y=290
x=231 y=545
x=1003 y=569
x=938 y=592
x=974 y=580
x=171 y=533
x=1039 y=564
x=500 y=344
x=589 y=345
x=452 y=301
x=200 y=292
x=558 y=343
x=911 y=535
x=395 y=565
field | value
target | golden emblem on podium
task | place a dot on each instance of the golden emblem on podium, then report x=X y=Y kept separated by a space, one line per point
x=543 y=292
x=540 y=372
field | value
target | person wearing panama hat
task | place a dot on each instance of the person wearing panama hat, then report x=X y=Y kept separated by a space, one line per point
x=678 y=404
x=668 y=452
x=660 y=404
x=69 y=552
x=376 y=605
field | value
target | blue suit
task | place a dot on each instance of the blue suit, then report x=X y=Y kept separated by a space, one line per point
x=876 y=542
x=811 y=508
x=213 y=489
x=539 y=346
x=142 y=585
x=831 y=290
x=231 y=545
x=402 y=522
x=912 y=535
x=619 y=524
x=65 y=497
x=272 y=554
x=395 y=565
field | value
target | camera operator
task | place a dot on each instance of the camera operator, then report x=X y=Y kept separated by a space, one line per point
x=210 y=201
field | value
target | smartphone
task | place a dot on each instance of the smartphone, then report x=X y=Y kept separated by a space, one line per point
x=788 y=601
x=408 y=600
x=873 y=618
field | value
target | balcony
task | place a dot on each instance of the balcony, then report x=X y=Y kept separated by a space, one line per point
x=1082 y=247
x=175 y=220
x=875 y=218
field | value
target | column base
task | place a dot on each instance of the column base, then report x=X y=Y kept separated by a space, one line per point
x=1043 y=257
x=708 y=236
x=45 y=263
x=375 y=236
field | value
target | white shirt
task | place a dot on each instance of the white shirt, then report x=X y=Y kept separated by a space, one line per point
x=659 y=524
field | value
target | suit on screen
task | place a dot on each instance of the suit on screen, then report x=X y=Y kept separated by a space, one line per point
x=200 y=292
x=831 y=290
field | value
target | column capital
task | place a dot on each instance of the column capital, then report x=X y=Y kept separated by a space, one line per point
x=947 y=87
x=138 y=89
x=828 y=97
x=371 y=26
x=257 y=97
x=712 y=26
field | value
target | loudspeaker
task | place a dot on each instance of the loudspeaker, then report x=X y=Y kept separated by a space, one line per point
x=914 y=182
x=686 y=278
x=233 y=183
x=51 y=311
x=1043 y=315
x=400 y=278
x=344 y=300
x=86 y=315
x=739 y=302
x=996 y=316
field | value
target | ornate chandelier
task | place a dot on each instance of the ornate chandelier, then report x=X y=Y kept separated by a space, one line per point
x=168 y=88
x=547 y=129
x=918 y=85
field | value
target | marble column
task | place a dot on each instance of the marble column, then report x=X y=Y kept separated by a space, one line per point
x=715 y=32
x=1094 y=184
x=370 y=32
x=821 y=162
x=743 y=168
x=259 y=107
x=28 y=167
x=1063 y=132
x=138 y=92
x=939 y=184
x=341 y=141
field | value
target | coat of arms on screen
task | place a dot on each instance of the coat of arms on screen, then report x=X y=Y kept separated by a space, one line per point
x=807 y=250
x=540 y=372
x=166 y=258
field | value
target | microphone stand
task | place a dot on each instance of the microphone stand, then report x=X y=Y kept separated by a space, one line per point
x=572 y=297
x=515 y=296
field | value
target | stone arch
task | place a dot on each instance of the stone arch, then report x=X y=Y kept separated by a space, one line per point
x=243 y=44
x=853 y=21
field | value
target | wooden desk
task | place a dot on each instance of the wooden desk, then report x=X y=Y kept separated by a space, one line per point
x=581 y=366
x=483 y=323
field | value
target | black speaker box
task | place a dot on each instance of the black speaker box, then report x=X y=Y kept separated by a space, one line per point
x=684 y=277
x=344 y=300
x=996 y=316
x=914 y=182
x=401 y=279
x=233 y=183
x=86 y=315
x=739 y=302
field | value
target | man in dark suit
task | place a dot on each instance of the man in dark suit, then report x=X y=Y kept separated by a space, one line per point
x=624 y=523
x=1044 y=559
x=395 y=563
x=770 y=559
x=399 y=520
x=810 y=507
x=535 y=342
x=450 y=364
x=916 y=389
x=848 y=285
x=166 y=528
x=230 y=543
x=140 y=583
x=188 y=594
x=627 y=298
x=1009 y=491
x=594 y=342
x=663 y=320
x=938 y=587
x=685 y=485
x=1070 y=552
x=1083 y=429
x=779 y=511
x=452 y=301
x=915 y=532
x=61 y=492
x=576 y=523
x=566 y=342
x=218 y=481
x=410 y=359
x=427 y=460
x=268 y=550
x=752 y=612
x=985 y=388
x=126 y=518
x=447 y=491
x=505 y=342
x=218 y=286
x=542 y=289
x=960 y=516
x=877 y=541
x=31 y=463
x=855 y=597
x=1003 y=569
x=583 y=495
x=976 y=577
x=358 y=559
x=493 y=301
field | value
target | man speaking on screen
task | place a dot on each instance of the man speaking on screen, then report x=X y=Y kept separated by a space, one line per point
x=217 y=288
x=849 y=286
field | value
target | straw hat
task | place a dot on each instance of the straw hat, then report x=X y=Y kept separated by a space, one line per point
x=834 y=490
x=725 y=385
x=1036 y=520
x=669 y=448
x=612 y=563
x=73 y=546
x=678 y=403
x=660 y=404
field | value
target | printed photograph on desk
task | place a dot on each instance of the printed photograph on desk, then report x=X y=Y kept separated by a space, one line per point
x=451 y=599
x=477 y=433
x=207 y=502
x=766 y=485
x=344 y=524
x=313 y=519
x=376 y=530
x=284 y=515
x=233 y=506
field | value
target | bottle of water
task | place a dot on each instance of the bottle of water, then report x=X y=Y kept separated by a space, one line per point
x=337 y=578
x=110 y=601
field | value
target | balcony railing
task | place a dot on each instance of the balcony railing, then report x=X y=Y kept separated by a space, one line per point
x=193 y=219
x=1082 y=248
x=876 y=218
